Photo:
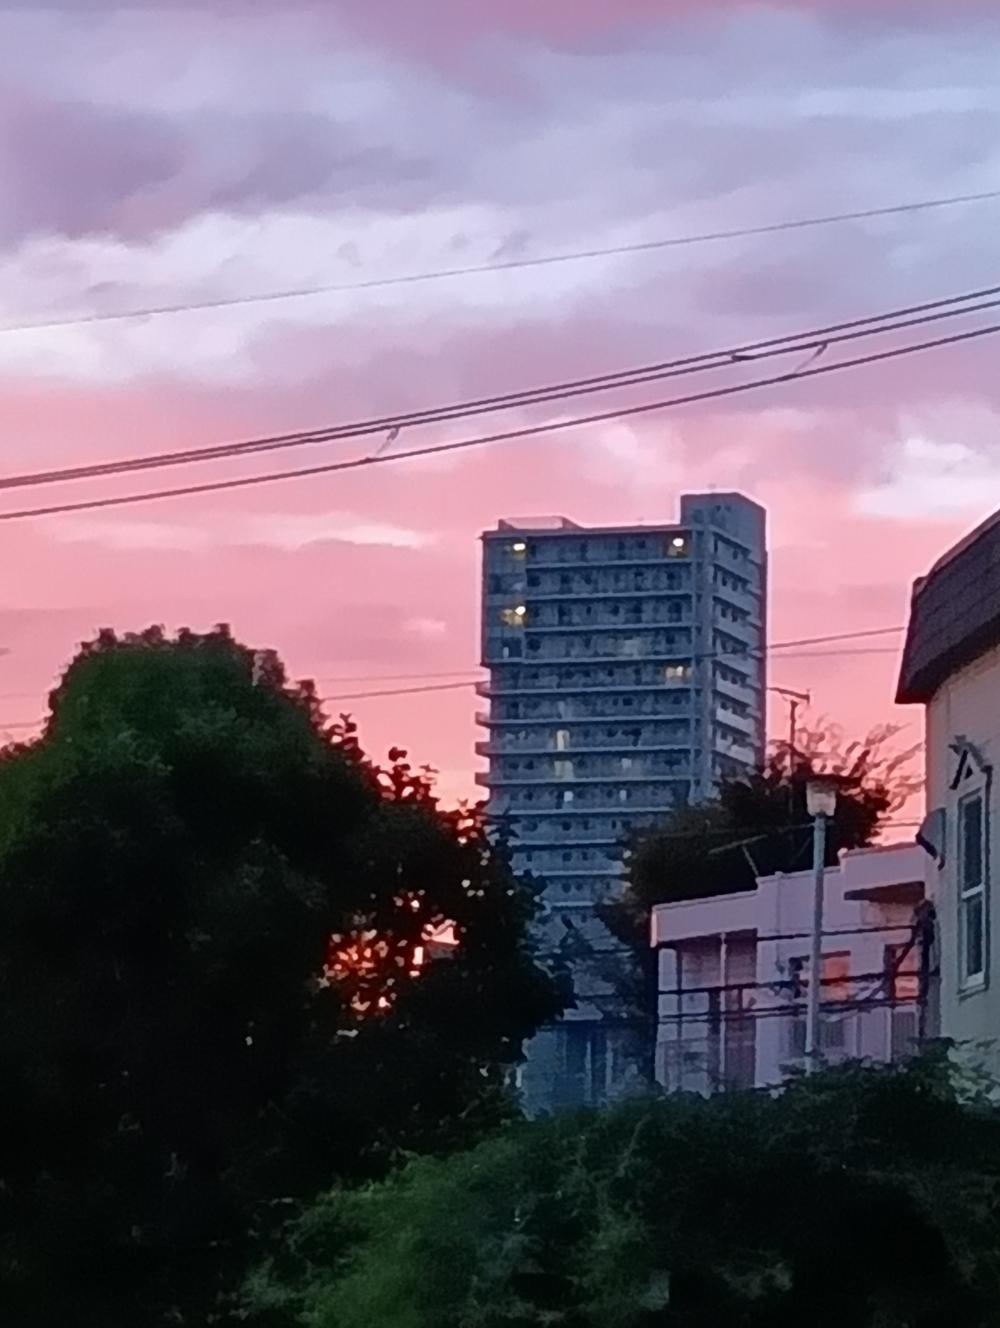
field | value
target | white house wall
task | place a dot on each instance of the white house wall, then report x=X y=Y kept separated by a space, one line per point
x=966 y=705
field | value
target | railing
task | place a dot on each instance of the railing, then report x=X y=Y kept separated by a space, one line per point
x=749 y=1035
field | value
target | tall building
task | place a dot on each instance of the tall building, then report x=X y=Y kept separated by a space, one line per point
x=627 y=676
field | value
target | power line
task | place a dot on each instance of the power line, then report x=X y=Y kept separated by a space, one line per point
x=463 y=680
x=838 y=636
x=823 y=337
x=504 y=265
x=473 y=682
x=511 y=435
x=403 y=691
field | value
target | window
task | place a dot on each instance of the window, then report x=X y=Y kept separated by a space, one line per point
x=836 y=988
x=562 y=769
x=676 y=672
x=972 y=888
x=562 y=740
x=902 y=971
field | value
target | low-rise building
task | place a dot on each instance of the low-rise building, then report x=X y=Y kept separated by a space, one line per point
x=951 y=666
x=734 y=973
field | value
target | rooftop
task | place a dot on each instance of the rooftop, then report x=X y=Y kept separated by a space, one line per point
x=954 y=614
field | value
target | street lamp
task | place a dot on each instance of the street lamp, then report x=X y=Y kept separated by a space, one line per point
x=821 y=804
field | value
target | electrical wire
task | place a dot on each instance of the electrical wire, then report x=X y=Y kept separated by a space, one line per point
x=462 y=681
x=504 y=265
x=511 y=435
x=896 y=320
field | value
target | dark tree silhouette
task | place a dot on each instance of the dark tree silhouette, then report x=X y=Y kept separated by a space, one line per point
x=217 y=989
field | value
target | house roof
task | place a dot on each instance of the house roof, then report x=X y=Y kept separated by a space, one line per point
x=954 y=614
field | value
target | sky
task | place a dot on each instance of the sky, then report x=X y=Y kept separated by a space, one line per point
x=158 y=155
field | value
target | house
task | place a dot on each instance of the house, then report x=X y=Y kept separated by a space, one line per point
x=734 y=973
x=951 y=666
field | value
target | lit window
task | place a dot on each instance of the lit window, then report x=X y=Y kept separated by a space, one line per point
x=677 y=672
x=836 y=981
x=519 y=547
x=562 y=740
x=972 y=888
x=514 y=617
x=678 y=547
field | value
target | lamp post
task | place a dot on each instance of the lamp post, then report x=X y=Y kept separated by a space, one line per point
x=821 y=804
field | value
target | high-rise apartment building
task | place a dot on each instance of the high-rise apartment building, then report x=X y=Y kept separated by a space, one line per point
x=627 y=676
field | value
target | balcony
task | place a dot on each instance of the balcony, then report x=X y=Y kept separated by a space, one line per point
x=736 y=692
x=600 y=596
x=746 y=724
x=635 y=715
x=617 y=746
x=745 y=754
x=613 y=779
x=488 y=691
x=747 y=633
x=599 y=871
x=621 y=811
x=623 y=627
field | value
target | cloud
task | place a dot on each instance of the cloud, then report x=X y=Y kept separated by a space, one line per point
x=429 y=629
x=928 y=478
x=944 y=461
x=287 y=532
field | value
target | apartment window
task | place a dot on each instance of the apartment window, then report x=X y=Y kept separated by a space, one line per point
x=676 y=672
x=562 y=740
x=562 y=769
x=836 y=989
x=972 y=888
x=902 y=969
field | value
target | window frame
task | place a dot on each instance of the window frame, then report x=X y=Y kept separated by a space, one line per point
x=978 y=893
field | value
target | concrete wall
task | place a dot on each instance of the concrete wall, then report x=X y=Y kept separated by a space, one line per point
x=752 y=938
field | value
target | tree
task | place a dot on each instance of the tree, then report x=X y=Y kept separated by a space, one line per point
x=214 y=975
x=862 y=1196
x=758 y=825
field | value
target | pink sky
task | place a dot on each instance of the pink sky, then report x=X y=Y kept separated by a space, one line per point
x=152 y=155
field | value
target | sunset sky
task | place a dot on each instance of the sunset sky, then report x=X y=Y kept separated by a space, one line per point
x=155 y=155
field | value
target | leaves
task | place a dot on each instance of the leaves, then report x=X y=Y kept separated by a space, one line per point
x=176 y=853
x=812 y=1206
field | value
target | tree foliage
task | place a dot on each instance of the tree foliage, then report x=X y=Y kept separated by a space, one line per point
x=863 y=1196
x=212 y=997
x=759 y=825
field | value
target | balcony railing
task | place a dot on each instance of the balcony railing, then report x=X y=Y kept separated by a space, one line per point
x=613 y=745
x=488 y=690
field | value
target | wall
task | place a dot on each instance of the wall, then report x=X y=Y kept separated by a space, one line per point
x=711 y=942
x=967 y=705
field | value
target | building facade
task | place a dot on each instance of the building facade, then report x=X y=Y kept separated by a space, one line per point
x=951 y=666
x=734 y=974
x=627 y=675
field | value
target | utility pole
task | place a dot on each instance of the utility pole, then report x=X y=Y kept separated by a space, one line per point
x=821 y=803
x=794 y=699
